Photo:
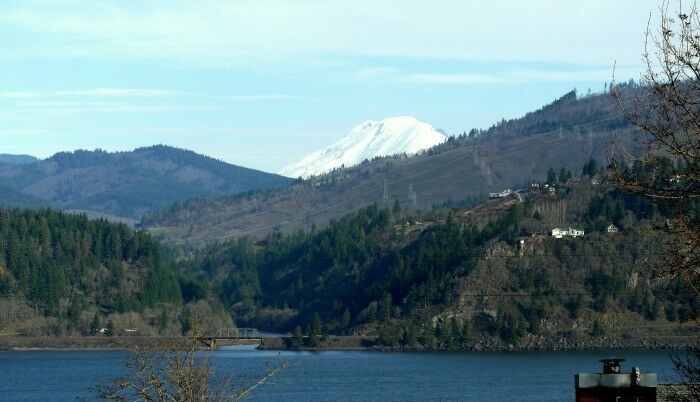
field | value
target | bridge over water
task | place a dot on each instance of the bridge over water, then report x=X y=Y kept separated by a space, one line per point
x=232 y=335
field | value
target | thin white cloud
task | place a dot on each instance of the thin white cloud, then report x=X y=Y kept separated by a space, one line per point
x=28 y=105
x=135 y=93
x=454 y=79
x=370 y=73
x=95 y=92
x=245 y=32
x=33 y=112
x=147 y=108
x=519 y=76
x=261 y=97
x=21 y=132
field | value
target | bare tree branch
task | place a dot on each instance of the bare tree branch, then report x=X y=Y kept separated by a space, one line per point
x=666 y=112
x=177 y=371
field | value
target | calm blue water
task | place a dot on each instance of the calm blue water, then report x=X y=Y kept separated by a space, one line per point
x=338 y=376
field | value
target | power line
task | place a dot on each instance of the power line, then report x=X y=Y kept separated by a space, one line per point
x=385 y=197
x=475 y=147
x=412 y=195
x=419 y=158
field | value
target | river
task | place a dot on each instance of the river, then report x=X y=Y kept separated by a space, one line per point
x=338 y=376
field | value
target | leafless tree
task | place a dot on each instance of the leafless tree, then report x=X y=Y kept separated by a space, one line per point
x=177 y=371
x=666 y=111
x=689 y=370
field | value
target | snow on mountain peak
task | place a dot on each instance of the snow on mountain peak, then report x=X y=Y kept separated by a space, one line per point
x=391 y=136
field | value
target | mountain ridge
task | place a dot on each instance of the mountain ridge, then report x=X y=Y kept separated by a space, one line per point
x=131 y=183
x=17 y=159
x=565 y=133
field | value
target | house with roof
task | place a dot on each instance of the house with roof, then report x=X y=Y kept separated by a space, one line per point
x=559 y=233
x=502 y=194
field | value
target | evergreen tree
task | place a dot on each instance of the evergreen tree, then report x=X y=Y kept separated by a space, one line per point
x=466 y=333
x=185 y=321
x=551 y=177
x=575 y=307
x=500 y=325
x=95 y=325
x=297 y=338
x=372 y=312
x=439 y=330
x=597 y=330
x=427 y=336
x=388 y=335
x=455 y=333
x=385 y=307
x=345 y=319
x=163 y=320
x=109 y=330
x=590 y=169
x=396 y=208
x=315 y=330
x=562 y=175
x=409 y=335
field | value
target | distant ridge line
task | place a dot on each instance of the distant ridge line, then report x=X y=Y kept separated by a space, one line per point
x=316 y=211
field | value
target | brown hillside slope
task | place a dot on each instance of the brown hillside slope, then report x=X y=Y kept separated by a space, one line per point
x=567 y=133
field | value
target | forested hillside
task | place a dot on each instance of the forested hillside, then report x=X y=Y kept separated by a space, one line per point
x=489 y=274
x=65 y=274
x=455 y=277
x=18 y=159
x=10 y=197
x=129 y=184
x=567 y=132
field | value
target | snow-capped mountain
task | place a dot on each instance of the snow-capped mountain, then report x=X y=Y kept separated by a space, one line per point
x=391 y=136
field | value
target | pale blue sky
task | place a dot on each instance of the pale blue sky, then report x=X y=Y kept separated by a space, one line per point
x=260 y=83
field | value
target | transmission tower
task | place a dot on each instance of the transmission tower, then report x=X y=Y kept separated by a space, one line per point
x=412 y=196
x=385 y=197
x=487 y=172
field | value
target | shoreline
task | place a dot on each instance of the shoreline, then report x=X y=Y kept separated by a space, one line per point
x=487 y=344
x=348 y=343
x=78 y=343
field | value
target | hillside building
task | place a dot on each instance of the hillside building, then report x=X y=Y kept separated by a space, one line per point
x=502 y=194
x=612 y=229
x=559 y=233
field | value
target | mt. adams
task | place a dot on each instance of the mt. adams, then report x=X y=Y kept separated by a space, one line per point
x=391 y=136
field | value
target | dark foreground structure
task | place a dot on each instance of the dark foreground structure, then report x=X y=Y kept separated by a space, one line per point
x=616 y=386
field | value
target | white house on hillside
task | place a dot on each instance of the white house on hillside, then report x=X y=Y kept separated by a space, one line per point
x=502 y=194
x=559 y=233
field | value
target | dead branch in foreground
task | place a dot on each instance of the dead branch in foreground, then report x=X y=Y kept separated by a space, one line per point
x=178 y=371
